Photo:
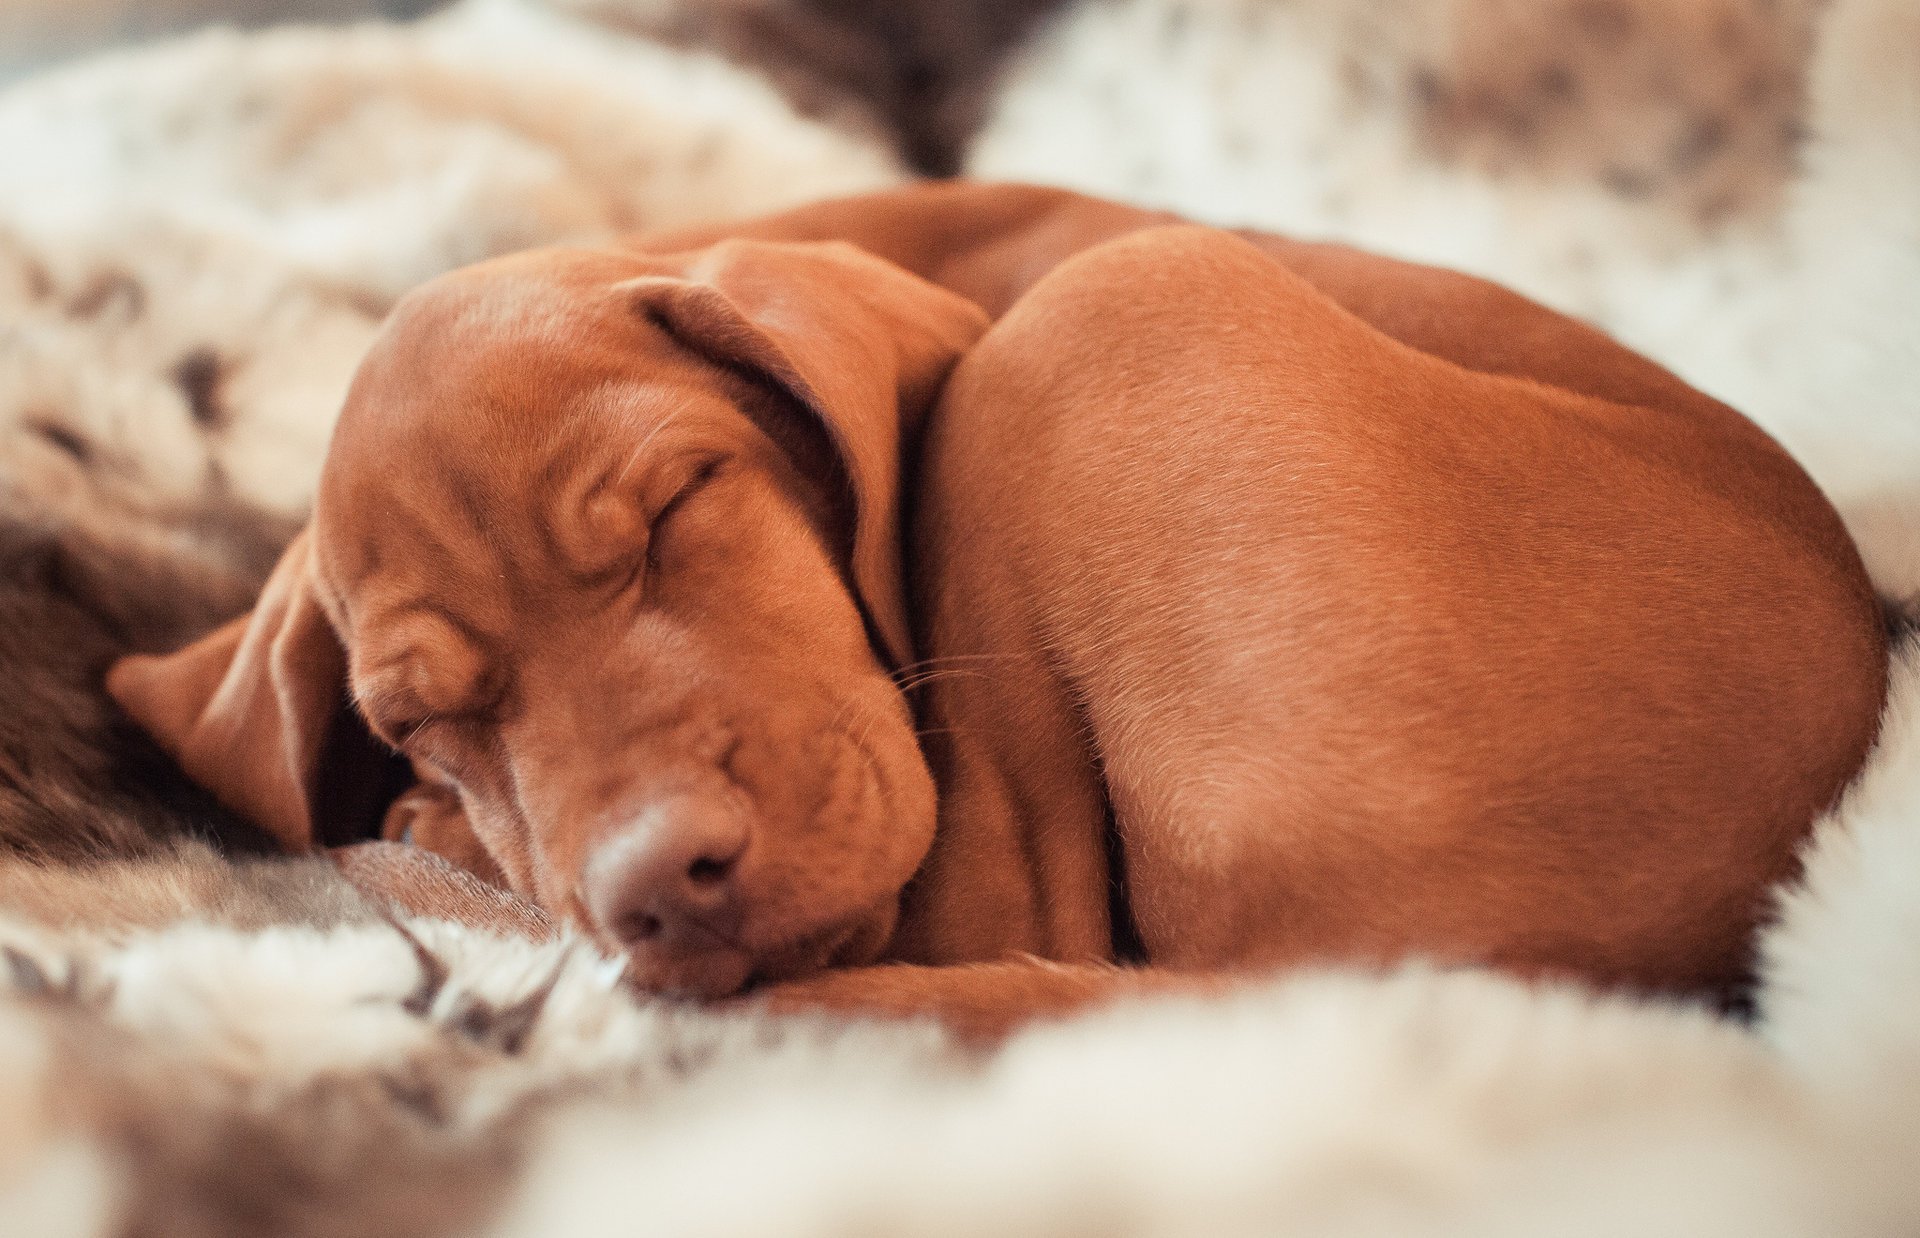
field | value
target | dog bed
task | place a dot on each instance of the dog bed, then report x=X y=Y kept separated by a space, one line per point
x=196 y=241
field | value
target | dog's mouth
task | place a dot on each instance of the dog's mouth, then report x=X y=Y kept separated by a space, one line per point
x=755 y=929
x=726 y=969
x=707 y=976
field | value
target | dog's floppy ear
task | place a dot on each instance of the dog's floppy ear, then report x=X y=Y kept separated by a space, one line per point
x=257 y=713
x=861 y=343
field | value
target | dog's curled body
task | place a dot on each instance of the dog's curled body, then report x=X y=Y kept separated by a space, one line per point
x=1340 y=713
x=1260 y=603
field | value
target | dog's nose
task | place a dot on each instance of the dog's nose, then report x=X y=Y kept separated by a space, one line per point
x=667 y=881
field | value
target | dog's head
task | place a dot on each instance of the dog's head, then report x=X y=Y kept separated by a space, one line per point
x=607 y=547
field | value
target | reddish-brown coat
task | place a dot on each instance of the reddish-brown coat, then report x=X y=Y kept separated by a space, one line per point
x=1359 y=610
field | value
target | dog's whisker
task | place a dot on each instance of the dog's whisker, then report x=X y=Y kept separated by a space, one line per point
x=926 y=664
x=920 y=681
x=870 y=716
x=923 y=732
x=962 y=657
x=847 y=705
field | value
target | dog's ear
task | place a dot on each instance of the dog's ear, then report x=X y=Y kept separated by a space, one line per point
x=257 y=712
x=861 y=343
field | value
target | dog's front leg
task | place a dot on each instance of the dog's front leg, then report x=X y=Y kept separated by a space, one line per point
x=417 y=882
x=980 y=1003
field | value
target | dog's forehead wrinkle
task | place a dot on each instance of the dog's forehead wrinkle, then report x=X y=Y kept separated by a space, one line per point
x=477 y=520
x=418 y=548
x=425 y=652
x=648 y=438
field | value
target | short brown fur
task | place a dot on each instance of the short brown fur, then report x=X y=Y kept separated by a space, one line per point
x=1342 y=609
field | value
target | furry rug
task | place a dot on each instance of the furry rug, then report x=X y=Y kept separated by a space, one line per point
x=194 y=244
x=1731 y=187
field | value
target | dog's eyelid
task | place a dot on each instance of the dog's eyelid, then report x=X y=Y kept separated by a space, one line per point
x=704 y=469
x=688 y=473
x=442 y=724
x=401 y=716
x=378 y=706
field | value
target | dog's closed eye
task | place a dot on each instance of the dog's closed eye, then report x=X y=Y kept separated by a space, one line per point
x=451 y=745
x=662 y=522
x=431 y=677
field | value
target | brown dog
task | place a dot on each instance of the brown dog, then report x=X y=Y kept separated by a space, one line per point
x=1261 y=603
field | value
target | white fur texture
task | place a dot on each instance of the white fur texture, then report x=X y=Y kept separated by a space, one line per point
x=1799 y=307
x=1404 y=1104
x=270 y=194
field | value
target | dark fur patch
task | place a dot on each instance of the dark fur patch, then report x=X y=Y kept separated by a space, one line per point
x=433 y=970
x=114 y=291
x=26 y=974
x=1556 y=81
x=60 y=437
x=1626 y=182
x=1703 y=139
x=1902 y=621
x=506 y=1029
x=1678 y=107
x=416 y=1096
x=1605 y=21
x=83 y=581
x=39 y=280
x=920 y=70
x=198 y=374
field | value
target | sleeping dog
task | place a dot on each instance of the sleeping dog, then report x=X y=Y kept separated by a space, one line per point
x=923 y=602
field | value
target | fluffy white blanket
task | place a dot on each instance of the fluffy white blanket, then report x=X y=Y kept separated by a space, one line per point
x=333 y=1076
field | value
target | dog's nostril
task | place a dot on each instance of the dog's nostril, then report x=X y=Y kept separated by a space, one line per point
x=641 y=926
x=669 y=880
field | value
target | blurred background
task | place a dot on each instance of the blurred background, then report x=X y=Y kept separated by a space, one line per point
x=33 y=32
x=917 y=68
